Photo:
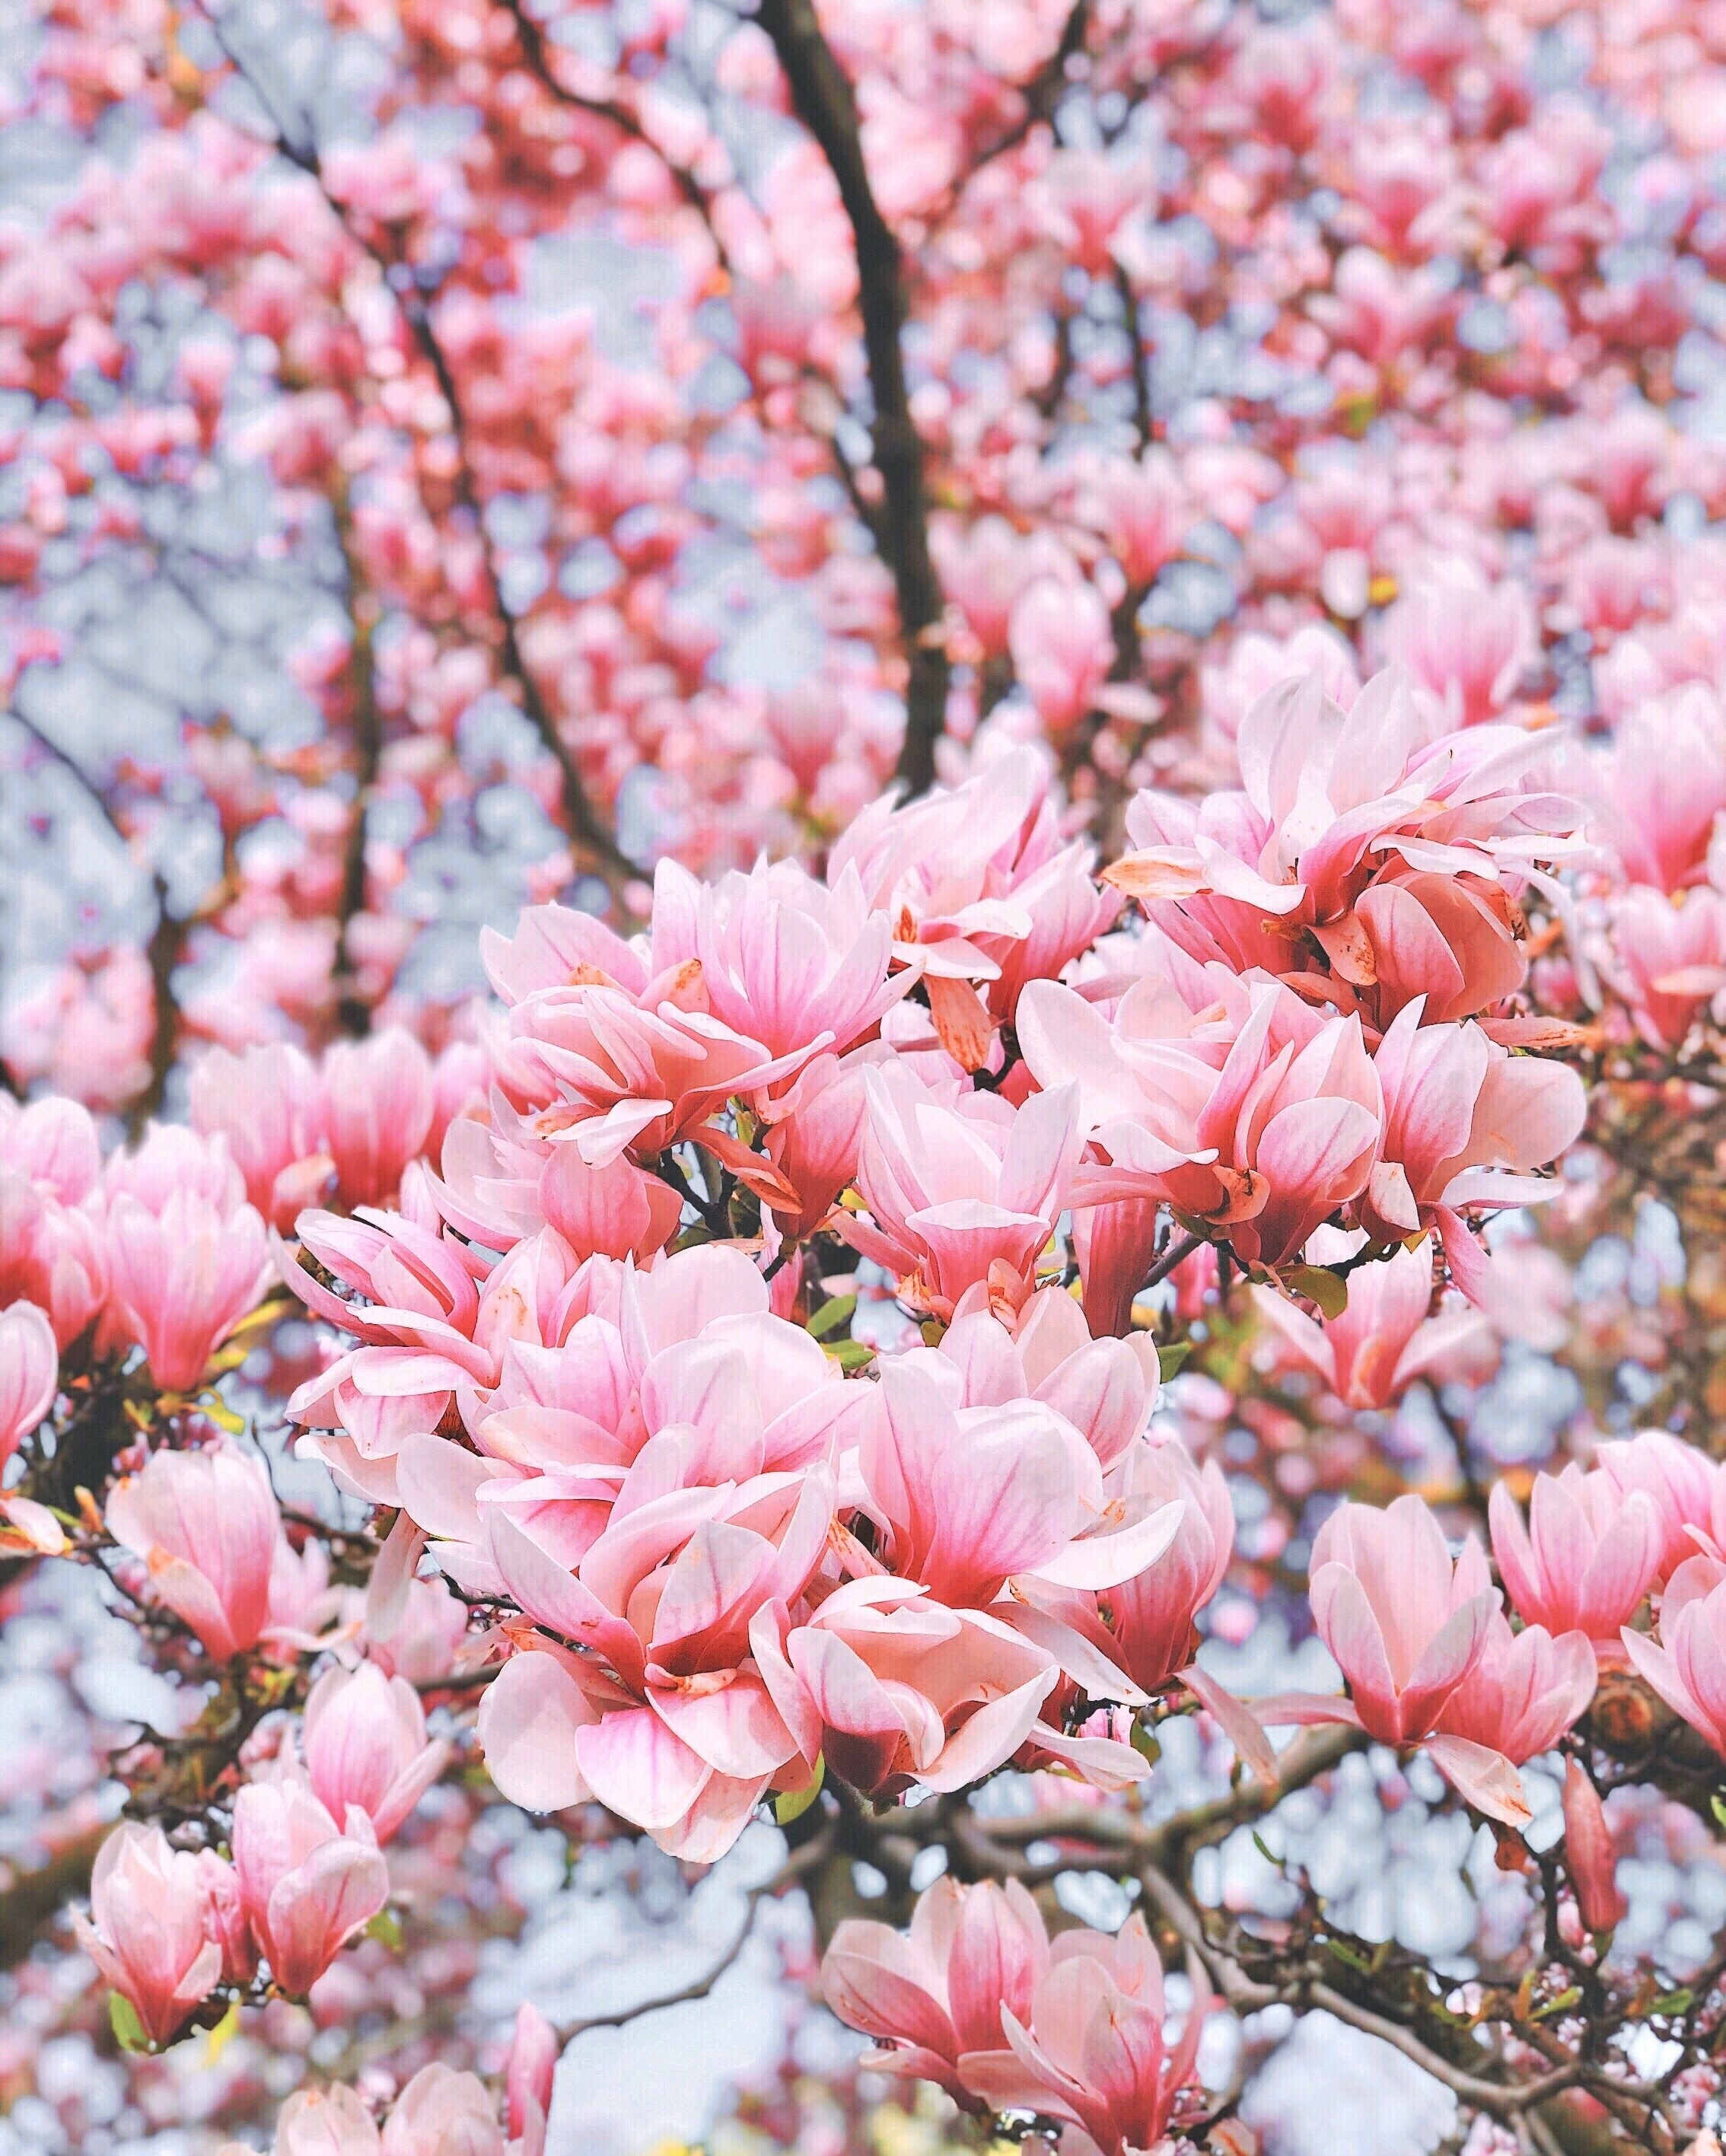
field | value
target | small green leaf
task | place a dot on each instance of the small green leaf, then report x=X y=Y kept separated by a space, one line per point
x=1319 y=1285
x=852 y=1354
x=1718 y=1807
x=1146 y=1744
x=123 y=2020
x=831 y=1316
x=1259 y=1844
x=1674 y=2002
x=794 y=1802
x=385 y=1926
x=1562 y=2004
x=1348 y=1954
x=1171 y=1359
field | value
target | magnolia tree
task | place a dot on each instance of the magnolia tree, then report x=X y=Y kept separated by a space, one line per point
x=865 y=999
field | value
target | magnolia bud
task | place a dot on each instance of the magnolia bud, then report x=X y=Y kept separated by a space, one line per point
x=1588 y=1849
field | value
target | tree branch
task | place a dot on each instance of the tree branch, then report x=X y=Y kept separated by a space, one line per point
x=535 y=52
x=352 y=1010
x=807 y=1859
x=823 y=98
x=581 y=820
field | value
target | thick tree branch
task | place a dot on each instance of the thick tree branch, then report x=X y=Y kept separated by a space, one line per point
x=367 y=724
x=823 y=98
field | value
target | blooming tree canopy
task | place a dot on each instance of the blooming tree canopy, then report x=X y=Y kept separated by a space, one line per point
x=864 y=1022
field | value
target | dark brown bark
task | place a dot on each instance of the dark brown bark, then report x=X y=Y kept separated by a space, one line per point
x=822 y=97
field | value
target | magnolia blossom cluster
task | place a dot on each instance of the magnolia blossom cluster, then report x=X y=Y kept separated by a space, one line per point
x=734 y=1363
x=439 y=2112
x=976 y=1999
x=171 y=1927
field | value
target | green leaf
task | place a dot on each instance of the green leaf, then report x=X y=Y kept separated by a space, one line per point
x=385 y=1925
x=123 y=2020
x=1674 y=2002
x=794 y=1802
x=1562 y=2004
x=831 y=1316
x=1718 y=1807
x=1259 y=1844
x=1171 y=1359
x=1146 y=1744
x=1319 y=1285
x=1348 y=1954
x=852 y=1354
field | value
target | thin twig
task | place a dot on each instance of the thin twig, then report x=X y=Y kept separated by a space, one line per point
x=803 y=1860
x=536 y=53
x=582 y=821
x=1177 y=1254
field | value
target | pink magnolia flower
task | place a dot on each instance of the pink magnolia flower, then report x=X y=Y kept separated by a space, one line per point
x=225 y=1917
x=966 y=1498
x=1408 y=1628
x=1680 y=1480
x=1589 y=1855
x=814 y=1138
x=1396 y=853
x=959 y=1186
x=379 y=1101
x=905 y=1690
x=1465 y=1123
x=1656 y=790
x=684 y=1374
x=52 y=1143
x=501 y=1183
x=1466 y=642
x=148 y=1939
x=365 y=1744
x=1525 y=1691
x=440 y=2112
x=936 y=1994
x=206 y=1524
x=789 y=962
x=1140 y=509
x=306 y=1886
x=1062 y=648
x=169 y=1159
x=614 y=1052
x=1685 y=1664
x=29 y=1373
x=675 y=1721
x=268 y=1103
x=1095 y=2052
x=1668 y=957
x=325 y=2122
x=1261 y=1117
x=976 y=881
x=52 y=1247
x=528 y=2077
x=1107 y=1389
x=1586 y=1559
x=1151 y=1616
x=1384 y=1339
x=184 y=1277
